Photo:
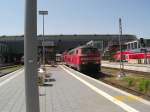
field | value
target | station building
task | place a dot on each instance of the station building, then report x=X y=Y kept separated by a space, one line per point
x=59 y=43
x=135 y=52
x=136 y=45
x=11 y=49
x=3 y=52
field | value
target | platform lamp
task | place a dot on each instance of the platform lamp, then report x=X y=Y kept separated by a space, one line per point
x=43 y=13
x=121 y=72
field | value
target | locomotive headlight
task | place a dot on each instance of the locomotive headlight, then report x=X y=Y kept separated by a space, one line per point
x=97 y=62
x=84 y=59
x=96 y=58
x=84 y=62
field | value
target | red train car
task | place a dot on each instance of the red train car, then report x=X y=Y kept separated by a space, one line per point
x=83 y=58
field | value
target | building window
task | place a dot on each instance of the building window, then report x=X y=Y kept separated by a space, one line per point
x=132 y=46
x=135 y=45
x=129 y=46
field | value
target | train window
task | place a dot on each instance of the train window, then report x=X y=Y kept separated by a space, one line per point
x=76 y=51
x=71 y=52
x=89 y=50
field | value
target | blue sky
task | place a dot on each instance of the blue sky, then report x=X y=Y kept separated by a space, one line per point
x=80 y=17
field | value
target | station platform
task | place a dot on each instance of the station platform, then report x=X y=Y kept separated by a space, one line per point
x=127 y=66
x=68 y=91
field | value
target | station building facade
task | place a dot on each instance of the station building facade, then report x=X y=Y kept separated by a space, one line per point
x=3 y=52
x=10 y=49
x=136 y=45
x=136 y=52
x=15 y=46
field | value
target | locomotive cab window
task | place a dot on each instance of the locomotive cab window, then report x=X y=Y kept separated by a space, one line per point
x=71 y=52
x=76 y=51
x=89 y=50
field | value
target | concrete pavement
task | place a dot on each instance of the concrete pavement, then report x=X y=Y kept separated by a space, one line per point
x=135 y=67
x=69 y=91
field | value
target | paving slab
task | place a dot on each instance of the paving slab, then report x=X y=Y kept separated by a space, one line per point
x=129 y=99
x=64 y=93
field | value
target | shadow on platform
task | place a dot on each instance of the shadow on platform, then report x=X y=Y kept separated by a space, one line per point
x=46 y=85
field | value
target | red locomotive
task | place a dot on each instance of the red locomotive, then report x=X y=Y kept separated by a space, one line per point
x=83 y=58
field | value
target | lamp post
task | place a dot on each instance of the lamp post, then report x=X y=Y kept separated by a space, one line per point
x=43 y=13
x=121 y=72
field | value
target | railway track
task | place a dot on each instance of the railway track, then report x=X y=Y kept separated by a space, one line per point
x=8 y=69
x=137 y=93
x=7 y=66
x=129 y=71
x=131 y=67
x=112 y=72
x=103 y=75
x=125 y=88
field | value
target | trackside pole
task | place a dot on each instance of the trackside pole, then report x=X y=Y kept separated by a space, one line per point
x=121 y=73
x=30 y=52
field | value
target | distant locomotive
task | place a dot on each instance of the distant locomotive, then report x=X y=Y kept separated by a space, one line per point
x=83 y=58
